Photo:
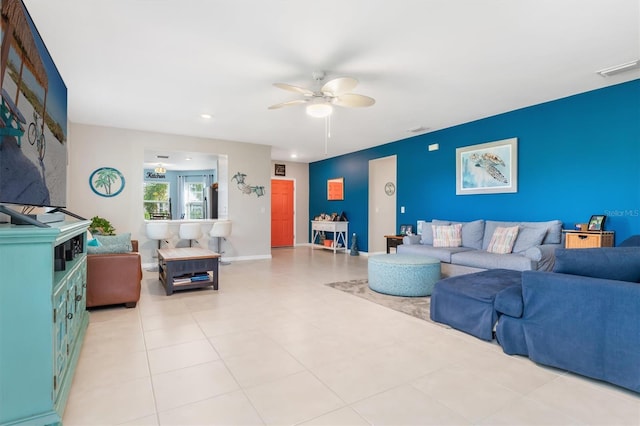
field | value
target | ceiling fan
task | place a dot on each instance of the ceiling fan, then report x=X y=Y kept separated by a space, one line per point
x=320 y=102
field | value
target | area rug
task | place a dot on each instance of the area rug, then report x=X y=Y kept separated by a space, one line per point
x=415 y=306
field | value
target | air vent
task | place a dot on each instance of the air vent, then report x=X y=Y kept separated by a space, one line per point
x=164 y=157
x=617 y=69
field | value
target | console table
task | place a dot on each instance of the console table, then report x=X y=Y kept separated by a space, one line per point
x=339 y=230
x=186 y=268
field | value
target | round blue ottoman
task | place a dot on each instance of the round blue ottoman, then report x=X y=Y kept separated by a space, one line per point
x=403 y=274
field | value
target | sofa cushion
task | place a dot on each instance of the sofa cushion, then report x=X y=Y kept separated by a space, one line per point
x=427 y=234
x=612 y=263
x=472 y=232
x=485 y=260
x=529 y=236
x=111 y=244
x=553 y=229
x=441 y=253
x=447 y=236
x=502 y=240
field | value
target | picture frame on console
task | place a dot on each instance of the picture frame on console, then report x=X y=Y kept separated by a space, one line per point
x=488 y=168
x=406 y=229
x=596 y=223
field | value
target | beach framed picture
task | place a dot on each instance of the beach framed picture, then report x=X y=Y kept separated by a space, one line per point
x=488 y=168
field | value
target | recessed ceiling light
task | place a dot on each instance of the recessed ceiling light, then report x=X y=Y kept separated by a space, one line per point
x=617 y=69
x=294 y=155
x=205 y=116
x=188 y=158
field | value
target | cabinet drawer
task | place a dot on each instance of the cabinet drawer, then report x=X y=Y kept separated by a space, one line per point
x=324 y=227
x=193 y=265
x=589 y=240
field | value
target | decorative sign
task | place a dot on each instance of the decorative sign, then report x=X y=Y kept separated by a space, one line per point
x=106 y=182
x=154 y=175
x=281 y=170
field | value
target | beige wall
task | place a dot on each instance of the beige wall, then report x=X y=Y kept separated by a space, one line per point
x=92 y=147
x=299 y=173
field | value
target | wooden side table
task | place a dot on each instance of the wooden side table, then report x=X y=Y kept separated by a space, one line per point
x=588 y=239
x=393 y=241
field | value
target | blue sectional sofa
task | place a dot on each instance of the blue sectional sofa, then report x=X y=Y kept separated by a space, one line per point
x=584 y=317
x=533 y=249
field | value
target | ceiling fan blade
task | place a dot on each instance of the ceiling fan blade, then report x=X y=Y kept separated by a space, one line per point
x=296 y=89
x=338 y=86
x=352 y=100
x=288 y=103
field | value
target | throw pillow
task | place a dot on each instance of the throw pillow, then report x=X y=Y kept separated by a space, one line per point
x=112 y=244
x=447 y=236
x=502 y=240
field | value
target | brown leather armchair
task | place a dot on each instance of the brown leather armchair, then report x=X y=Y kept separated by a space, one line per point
x=114 y=278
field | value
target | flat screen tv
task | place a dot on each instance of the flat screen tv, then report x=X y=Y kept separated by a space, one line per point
x=33 y=115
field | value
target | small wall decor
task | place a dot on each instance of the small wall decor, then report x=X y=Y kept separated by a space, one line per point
x=335 y=189
x=487 y=168
x=245 y=188
x=280 y=170
x=106 y=182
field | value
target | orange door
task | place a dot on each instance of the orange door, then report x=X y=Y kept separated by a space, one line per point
x=281 y=213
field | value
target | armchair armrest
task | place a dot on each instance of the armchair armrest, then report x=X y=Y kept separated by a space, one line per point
x=113 y=279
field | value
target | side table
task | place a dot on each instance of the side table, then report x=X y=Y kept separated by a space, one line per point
x=393 y=241
x=588 y=239
x=187 y=268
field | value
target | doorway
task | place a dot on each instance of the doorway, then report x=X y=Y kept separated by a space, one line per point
x=282 y=213
x=382 y=202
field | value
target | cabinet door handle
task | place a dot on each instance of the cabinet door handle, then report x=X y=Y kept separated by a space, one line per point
x=583 y=237
x=69 y=315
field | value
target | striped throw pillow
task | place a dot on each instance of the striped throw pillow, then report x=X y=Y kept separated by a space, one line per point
x=447 y=236
x=502 y=240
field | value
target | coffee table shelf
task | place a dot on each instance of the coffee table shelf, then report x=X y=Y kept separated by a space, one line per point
x=177 y=263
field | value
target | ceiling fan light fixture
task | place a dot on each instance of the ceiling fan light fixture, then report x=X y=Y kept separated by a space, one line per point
x=160 y=169
x=319 y=110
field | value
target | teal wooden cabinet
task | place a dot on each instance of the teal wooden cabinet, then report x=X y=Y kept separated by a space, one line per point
x=43 y=318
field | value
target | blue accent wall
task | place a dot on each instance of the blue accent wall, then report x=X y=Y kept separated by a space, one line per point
x=577 y=156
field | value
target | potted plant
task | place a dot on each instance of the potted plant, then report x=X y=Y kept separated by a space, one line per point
x=101 y=226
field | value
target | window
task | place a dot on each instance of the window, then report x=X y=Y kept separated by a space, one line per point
x=157 y=204
x=194 y=200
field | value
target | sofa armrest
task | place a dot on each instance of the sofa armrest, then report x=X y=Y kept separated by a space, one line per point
x=113 y=279
x=411 y=239
x=589 y=324
x=544 y=255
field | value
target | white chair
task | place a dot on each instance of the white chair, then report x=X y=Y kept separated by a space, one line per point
x=190 y=231
x=158 y=231
x=220 y=230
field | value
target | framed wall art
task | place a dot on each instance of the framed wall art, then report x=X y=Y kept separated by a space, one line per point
x=335 y=189
x=280 y=170
x=106 y=182
x=488 y=168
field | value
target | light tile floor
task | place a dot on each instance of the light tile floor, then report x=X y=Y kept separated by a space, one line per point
x=276 y=346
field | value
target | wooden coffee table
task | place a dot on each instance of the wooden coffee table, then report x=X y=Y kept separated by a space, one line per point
x=187 y=268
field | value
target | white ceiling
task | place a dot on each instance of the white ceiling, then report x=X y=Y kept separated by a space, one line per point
x=157 y=65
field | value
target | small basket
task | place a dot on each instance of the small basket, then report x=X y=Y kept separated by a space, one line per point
x=328 y=243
